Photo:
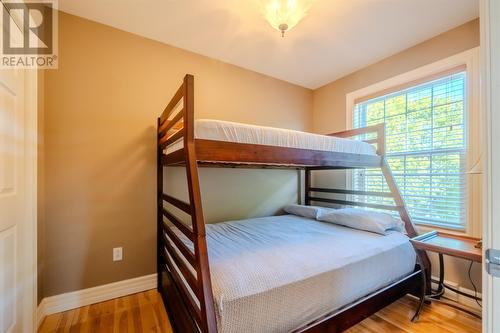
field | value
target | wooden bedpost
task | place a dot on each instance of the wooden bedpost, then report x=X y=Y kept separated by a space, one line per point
x=159 y=215
x=187 y=292
x=398 y=199
x=198 y=222
x=307 y=187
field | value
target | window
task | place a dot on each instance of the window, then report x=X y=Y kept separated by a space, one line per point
x=425 y=146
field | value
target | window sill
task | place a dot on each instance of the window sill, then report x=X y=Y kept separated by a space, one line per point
x=423 y=228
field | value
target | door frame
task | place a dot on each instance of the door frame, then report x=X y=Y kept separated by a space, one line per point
x=29 y=234
x=490 y=49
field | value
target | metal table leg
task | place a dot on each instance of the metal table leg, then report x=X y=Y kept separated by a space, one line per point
x=435 y=296
x=440 y=290
x=422 y=290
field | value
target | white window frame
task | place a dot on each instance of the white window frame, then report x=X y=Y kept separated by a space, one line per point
x=469 y=59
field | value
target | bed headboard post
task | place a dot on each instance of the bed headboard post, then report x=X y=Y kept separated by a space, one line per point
x=201 y=254
x=307 y=187
x=188 y=103
x=159 y=214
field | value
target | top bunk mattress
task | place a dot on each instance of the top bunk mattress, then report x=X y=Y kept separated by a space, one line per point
x=219 y=130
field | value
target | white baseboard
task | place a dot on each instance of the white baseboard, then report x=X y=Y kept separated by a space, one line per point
x=457 y=297
x=79 y=298
x=40 y=315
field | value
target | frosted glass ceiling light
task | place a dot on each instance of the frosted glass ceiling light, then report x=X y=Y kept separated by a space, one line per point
x=283 y=15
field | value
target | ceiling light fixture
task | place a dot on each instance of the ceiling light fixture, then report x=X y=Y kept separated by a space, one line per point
x=283 y=15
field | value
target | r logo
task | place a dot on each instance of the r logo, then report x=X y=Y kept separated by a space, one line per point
x=36 y=24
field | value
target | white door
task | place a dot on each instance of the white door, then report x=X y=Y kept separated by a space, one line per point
x=490 y=49
x=17 y=202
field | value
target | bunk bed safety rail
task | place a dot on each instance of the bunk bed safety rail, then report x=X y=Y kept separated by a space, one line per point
x=377 y=130
x=170 y=128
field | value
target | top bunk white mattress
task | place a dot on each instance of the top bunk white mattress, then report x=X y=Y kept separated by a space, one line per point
x=219 y=130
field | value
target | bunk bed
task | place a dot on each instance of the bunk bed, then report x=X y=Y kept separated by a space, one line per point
x=185 y=275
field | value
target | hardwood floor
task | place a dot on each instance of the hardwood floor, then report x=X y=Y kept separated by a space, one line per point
x=138 y=313
x=435 y=318
x=144 y=312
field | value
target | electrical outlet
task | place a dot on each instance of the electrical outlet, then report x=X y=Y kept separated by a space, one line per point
x=117 y=254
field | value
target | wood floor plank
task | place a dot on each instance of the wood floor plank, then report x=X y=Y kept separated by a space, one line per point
x=376 y=324
x=86 y=321
x=148 y=320
x=136 y=314
x=107 y=316
x=121 y=323
x=78 y=321
x=50 y=323
x=144 y=313
x=94 y=318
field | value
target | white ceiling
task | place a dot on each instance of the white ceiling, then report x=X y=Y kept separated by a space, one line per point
x=336 y=38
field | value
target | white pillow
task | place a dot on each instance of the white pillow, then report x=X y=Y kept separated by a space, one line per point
x=310 y=212
x=361 y=219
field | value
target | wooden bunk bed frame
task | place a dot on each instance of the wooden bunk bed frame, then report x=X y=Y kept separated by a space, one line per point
x=187 y=292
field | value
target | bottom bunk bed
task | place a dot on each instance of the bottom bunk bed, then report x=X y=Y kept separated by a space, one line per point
x=286 y=273
x=283 y=273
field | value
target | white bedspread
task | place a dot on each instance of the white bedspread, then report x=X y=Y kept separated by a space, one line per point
x=243 y=133
x=275 y=274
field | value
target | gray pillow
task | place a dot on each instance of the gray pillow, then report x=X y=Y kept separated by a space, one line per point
x=361 y=219
x=310 y=212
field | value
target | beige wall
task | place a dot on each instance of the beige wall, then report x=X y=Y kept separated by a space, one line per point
x=329 y=104
x=101 y=107
x=329 y=101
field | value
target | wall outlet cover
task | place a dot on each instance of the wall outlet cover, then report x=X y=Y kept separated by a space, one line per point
x=117 y=254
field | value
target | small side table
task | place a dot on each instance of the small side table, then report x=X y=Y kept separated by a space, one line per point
x=453 y=245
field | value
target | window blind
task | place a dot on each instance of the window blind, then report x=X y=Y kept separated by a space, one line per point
x=425 y=147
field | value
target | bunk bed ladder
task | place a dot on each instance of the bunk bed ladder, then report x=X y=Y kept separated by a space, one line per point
x=193 y=298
